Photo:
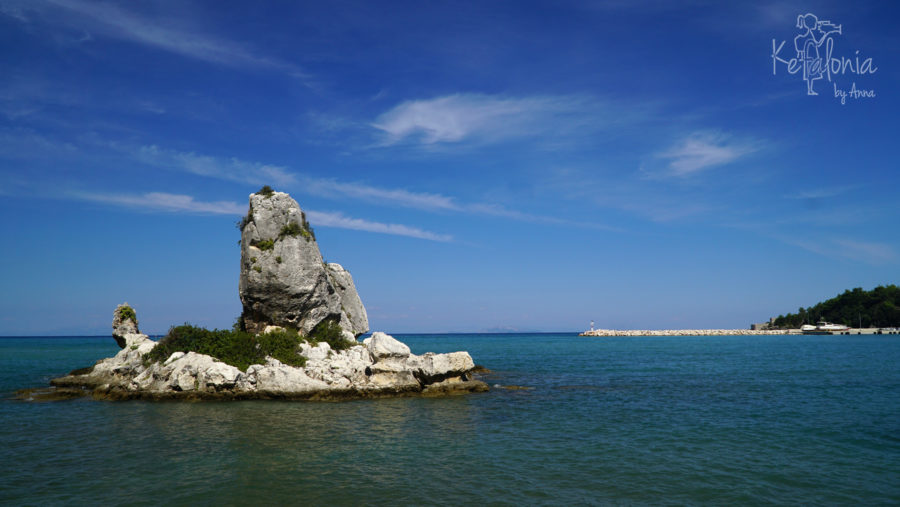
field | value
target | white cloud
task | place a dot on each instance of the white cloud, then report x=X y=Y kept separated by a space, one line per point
x=110 y=20
x=486 y=118
x=331 y=219
x=503 y=212
x=249 y=172
x=872 y=253
x=160 y=201
x=862 y=251
x=257 y=173
x=394 y=196
x=703 y=150
x=821 y=193
x=14 y=10
x=231 y=169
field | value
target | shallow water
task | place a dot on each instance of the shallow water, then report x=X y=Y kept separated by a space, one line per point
x=750 y=419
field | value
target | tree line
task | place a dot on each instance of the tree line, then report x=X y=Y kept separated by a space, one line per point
x=879 y=307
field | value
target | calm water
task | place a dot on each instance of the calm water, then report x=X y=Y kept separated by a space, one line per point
x=674 y=420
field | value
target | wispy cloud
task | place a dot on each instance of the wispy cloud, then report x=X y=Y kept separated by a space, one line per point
x=488 y=118
x=839 y=216
x=14 y=10
x=704 y=150
x=432 y=202
x=179 y=203
x=874 y=253
x=861 y=251
x=822 y=193
x=497 y=210
x=160 y=201
x=25 y=144
x=111 y=20
x=394 y=196
x=231 y=169
x=257 y=173
x=330 y=219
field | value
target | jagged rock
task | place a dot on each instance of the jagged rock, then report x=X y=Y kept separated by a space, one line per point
x=124 y=323
x=353 y=314
x=380 y=366
x=284 y=281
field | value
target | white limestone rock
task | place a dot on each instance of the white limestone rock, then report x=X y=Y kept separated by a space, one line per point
x=284 y=281
x=382 y=345
x=381 y=365
x=124 y=325
x=275 y=378
x=431 y=367
x=354 y=319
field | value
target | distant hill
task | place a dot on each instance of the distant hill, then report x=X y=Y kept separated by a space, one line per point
x=879 y=307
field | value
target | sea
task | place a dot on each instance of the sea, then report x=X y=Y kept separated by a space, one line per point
x=748 y=420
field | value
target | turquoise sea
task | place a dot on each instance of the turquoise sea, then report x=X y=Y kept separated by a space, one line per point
x=663 y=420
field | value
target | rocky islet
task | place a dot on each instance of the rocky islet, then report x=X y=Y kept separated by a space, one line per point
x=284 y=283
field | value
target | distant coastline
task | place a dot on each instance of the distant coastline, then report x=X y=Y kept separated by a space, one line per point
x=686 y=332
x=723 y=332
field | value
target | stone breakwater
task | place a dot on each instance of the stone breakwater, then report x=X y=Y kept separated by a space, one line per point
x=687 y=332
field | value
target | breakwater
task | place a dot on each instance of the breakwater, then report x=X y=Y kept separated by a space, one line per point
x=687 y=332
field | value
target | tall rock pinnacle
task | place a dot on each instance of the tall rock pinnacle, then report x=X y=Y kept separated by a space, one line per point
x=284 y=281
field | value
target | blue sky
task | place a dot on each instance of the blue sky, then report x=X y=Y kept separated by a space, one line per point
x=476 y=165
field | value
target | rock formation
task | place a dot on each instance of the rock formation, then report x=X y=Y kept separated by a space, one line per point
x=379 y=366
x=284 y=281
x=283 y=284
x=125 y=327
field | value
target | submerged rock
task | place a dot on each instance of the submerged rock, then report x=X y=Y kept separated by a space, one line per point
x=284 y=280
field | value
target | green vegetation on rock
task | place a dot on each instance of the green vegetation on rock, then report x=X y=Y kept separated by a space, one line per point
x=237 y=348
x=879 y=307
x=264 y=245
x=294 y=229
x=126 y=312
x=241 y=349
x=290 y=229
x=265 y=191
x=330 y=332
x=240 y=224
x=306 y=227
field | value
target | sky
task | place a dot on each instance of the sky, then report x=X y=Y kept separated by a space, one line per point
x=477 y=166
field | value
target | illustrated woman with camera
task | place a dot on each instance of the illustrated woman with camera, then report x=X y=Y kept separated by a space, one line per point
x=807 y=45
